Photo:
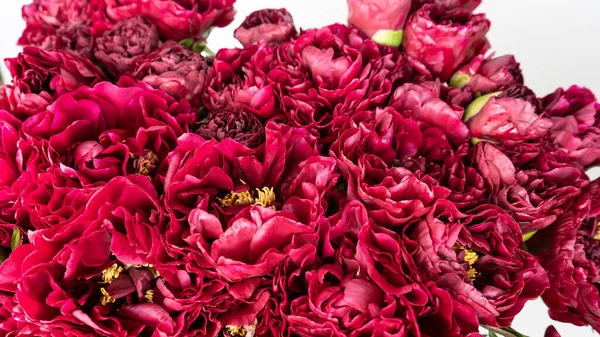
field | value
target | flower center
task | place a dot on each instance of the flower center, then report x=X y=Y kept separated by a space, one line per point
x=113 y=272
x=240 y=331
x=264 y=197
x=470 y=257
x=146 y=163
x=597 y=235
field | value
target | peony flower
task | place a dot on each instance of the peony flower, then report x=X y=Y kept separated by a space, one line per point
x=381 y=20
x=467 y=186
x=487 y=75
x=443 y=41
x=91 y=274
x=56 y=12
x=40 y=76
x=266 y=25
x=96 y=134
x=568 y=250
x=239 y=125
x=76 y=38
x=575 y=129
x=494 y=166
x=129 y=41
x=449 y=5
x=507 y=116
x=175 y=20
x=175 y=70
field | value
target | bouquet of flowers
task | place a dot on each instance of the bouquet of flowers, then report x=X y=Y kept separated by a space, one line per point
x=388 y=177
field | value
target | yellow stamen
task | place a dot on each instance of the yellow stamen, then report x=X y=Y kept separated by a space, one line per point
x=111 y=273
x=146 y=163
x=597 y=235
x=242 y=331
x=149 y=295
x=471 y=257
x=106 y=298
x=472 y=273
x=265 y=197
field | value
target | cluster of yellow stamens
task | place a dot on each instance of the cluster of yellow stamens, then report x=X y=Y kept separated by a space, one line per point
x=264 y=197
x=241 y=331
x=597 y=235
x=113 y=272
x=146 y=163
x=471 y=258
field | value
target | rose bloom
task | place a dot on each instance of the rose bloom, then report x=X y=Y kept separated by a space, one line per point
x=268 y=25
x=175 y=19
x=175 y=70
x=443 y=41
x=76 y=38
x=237 y=80
x=568 y=250
x=118 y=49
x=91 y=275
x=511 y=115
x=575 y=128
x=460 y=253
x=486 y=75
x=40 y=76
x=95 y=134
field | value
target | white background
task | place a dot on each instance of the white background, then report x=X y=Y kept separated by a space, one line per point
x=556 y=42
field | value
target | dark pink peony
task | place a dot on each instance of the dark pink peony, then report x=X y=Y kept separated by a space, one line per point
x=467 y=186
x=574 y=113
x=569 y=251
x=467 y=5
x=381 y=20
x=486 y=75
x=175 y=70
x=76 y=38
x=56 y=12
x=95 y=134
x=266 y=25
x=129 y=41
x=91 y=274
x=174 y=19
x=443 y=41
x=508 y=115
x=40 y=76
x=239 y=125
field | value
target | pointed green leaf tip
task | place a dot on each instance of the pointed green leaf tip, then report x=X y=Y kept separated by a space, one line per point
x=459 y=80
x=187 y=43
x=386 y=37
x=528 y=236
x=478 y=104
x=16 y=239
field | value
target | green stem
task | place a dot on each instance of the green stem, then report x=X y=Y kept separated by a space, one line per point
x=499 y=331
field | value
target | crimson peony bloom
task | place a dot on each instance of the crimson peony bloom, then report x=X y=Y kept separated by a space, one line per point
x=487 y=75
x=91 y=274
x=568 y=250
x=76 y=38
x=443 y=41
x=381 y=20
x=129 y=41
x=575 y=124
x=467 y=5
x=98 y=133
x=40 y=76
x=175 y=70
x=467 y=186
x=175 y=19
x=56 y=12
x=239 y=125
x=266 y=25
x=512 y=114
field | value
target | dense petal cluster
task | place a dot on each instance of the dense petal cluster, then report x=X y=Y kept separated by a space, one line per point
x=381 y=178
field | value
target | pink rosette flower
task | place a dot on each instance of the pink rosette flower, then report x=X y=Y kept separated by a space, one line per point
x=95 y=134
x=568 y=250
x=40 y=76
x=575 y=131
x=174 y=19
x=381 y=20
x=175 y=70
x=443 y=41
x=449 y=5
x=467 y=186
x=486 y=75
x=237 y=80
x=75 y=38
x=425 y=106
x=512 y=114
x=91 y=275
x=266 y=25
x=56 y=12
x=239 y=125
x=129 y=41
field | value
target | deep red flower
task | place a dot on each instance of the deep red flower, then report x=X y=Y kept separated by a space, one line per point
x=486 y=75
x=467 y=5
x=381 y=20
x=266 y=25
x=443 y=41
x=76 y=38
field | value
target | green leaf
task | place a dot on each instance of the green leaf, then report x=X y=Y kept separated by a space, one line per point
x=199 y=47
x=514 y=332
x=386 y=37
x=187 y=43
x=528 y=236
x=493 y=334
x=16 y=239
x=478 y=104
